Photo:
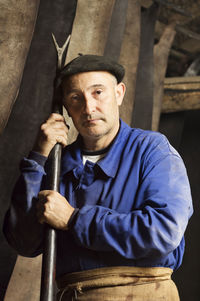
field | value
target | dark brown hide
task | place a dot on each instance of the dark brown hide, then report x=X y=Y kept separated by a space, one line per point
x=17 y=21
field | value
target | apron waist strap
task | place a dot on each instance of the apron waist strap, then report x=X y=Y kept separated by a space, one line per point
x=113 y=276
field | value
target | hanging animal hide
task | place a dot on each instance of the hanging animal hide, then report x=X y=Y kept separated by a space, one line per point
x=17 y=20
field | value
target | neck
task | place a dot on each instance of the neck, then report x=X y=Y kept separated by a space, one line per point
x=95 y=145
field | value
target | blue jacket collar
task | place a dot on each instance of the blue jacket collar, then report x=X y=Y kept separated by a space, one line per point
x=109 y=164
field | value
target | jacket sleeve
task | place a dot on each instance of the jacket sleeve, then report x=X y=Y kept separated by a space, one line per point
x=157 y=226
x=21 y=228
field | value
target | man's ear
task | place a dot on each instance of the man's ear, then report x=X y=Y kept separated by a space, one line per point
x=120 y=92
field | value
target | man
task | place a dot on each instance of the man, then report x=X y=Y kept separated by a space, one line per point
x=124 y=200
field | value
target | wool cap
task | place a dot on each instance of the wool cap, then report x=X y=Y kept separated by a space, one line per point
x=89 y=62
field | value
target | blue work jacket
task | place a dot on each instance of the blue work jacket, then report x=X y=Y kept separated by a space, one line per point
x=133 y=205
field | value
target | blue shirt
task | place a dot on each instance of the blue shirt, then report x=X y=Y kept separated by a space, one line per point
x=134 y=205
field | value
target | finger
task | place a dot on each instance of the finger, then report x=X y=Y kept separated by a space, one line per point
x=40 y=209
x=55 y=117
x=60 y=126
x=61 y=140
x=59 y=136
x=54 y=136
x=48 y=195
x=40 y=206
x=41 y=218
x=43 y=194
x=40 y=212
x=55 y=123
x=48 y=127
x=51 y=132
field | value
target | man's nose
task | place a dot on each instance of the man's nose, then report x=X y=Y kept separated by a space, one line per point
x=89 y=104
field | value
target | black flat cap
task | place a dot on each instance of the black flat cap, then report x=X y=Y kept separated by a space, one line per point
x=89 y=62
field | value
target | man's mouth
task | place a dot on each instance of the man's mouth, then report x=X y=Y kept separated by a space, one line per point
x=91 y=121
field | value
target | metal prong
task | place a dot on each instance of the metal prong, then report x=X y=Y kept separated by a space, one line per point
x=60 y=50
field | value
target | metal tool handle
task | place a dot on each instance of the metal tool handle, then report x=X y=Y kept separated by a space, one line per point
x=47 y=291
x=49 y=254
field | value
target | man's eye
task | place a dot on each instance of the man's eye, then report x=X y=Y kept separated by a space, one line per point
x=74 y=97
x=98 y=92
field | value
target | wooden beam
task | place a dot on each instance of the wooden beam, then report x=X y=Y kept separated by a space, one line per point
x=129 y=57
x=177 y=54
x=181 y=94
x=187 y=32
x=116 y=30
x=174 y=7
x=146 y=3
x=179 y=28
x=161 y=53
x=143 y=102
x=191 y=46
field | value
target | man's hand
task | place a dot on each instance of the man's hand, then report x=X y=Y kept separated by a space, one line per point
x=53 y=131
x=53 y=209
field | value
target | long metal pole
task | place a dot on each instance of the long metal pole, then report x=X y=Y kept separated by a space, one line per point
x=47 y=292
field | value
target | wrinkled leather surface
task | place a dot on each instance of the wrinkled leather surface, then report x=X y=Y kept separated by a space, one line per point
x=17 y=20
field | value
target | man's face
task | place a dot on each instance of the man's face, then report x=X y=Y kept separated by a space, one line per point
x=92 y=100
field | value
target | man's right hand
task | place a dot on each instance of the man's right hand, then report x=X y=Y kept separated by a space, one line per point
x=53 y=131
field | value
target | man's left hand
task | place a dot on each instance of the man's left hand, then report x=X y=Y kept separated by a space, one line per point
x=53 y=209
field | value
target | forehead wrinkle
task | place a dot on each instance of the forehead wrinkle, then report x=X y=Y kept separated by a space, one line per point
x=69 y=90
x=96 y=86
